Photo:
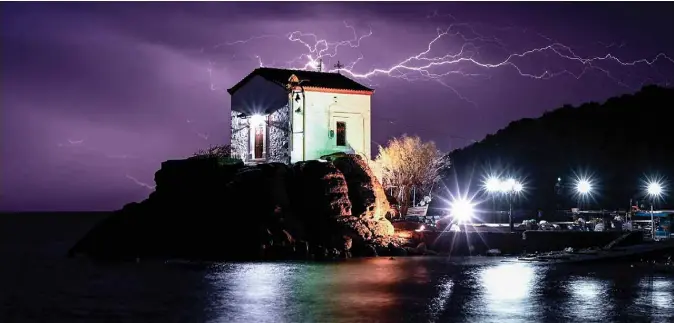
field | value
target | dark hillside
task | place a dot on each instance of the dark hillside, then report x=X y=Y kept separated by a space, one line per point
x=619 y=142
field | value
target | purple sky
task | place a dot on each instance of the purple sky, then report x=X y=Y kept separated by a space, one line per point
x=96 y=95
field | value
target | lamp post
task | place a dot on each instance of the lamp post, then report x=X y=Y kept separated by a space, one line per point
x=493 y=186
x=511 y=187
x=654 y=190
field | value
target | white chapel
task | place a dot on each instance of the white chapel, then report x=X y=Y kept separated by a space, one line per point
x=281 y=115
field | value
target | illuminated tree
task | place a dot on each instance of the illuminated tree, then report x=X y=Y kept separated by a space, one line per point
x=407 y=163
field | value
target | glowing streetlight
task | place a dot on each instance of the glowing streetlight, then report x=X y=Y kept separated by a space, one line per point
x=654 y=191
x=583 y=186
x=510 y=187
x=517 y=187
x=492 y=184
x=462 y=209
x=507 y=186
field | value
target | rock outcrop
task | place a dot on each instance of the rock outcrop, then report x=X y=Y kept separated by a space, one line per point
x=205 y=209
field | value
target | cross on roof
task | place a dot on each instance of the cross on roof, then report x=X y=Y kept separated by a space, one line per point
x=338 y=66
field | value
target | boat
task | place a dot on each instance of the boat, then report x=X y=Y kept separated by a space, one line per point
x=609 y=252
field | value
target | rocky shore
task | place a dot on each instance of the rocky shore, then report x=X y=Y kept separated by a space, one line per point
x=206 y=208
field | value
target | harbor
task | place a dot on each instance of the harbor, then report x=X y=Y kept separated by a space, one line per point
x=585 y=236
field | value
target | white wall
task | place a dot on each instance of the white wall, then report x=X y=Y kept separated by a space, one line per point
x=322 y=111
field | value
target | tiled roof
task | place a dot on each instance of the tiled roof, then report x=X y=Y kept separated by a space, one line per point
x=308 y=78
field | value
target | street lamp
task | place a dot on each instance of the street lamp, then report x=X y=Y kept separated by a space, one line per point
x=511 y=187
x=654 y=190
x=493 y=186
x=584 y=188
x=462 y=210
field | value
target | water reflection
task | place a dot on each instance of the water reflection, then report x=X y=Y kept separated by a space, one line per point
x=657 y=294
x=438 y=304
x=251 y=291
x=434 y=290
x=663 y=295
x=588 y=299
x=508 y=282
x=38 y=284
x=286 y=292
x=508 y=289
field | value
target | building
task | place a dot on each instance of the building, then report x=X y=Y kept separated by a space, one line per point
x=281 y=115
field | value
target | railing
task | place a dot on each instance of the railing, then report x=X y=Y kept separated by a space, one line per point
x=417 y=211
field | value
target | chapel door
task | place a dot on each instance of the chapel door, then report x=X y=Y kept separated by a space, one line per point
x=348 y=132
x=259 y=142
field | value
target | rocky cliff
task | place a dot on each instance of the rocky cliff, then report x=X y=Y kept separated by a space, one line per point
x=204 y=209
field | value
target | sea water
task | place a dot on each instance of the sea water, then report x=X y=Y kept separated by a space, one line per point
x=39 y=284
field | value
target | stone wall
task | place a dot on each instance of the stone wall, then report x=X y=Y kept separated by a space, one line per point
x=278 y=139
x=240 y=136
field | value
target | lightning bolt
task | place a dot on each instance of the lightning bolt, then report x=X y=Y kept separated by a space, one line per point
x=139 y=183
x=121 y=156
x=203 y=136
x=466 y=61
x=79 y=146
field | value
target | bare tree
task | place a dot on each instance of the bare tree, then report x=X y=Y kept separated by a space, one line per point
x=221 y=152
x=407 y=162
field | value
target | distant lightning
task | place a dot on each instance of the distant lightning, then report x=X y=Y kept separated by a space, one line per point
x=316 y=50
x=245 y=40
x=210 y=77
x=142 y=184
x=121 y=156
x=79 y=146
x=436 y=14
x=202 y=135
x=609 y=45
x=425 y=66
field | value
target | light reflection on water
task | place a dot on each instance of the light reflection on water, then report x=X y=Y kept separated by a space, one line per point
x=586 y=301
x=38 y=284
x=435 y=290
x=283 y=292
x=657 y=293
x=508 y=289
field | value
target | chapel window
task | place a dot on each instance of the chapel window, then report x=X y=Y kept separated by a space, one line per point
x=341 y=133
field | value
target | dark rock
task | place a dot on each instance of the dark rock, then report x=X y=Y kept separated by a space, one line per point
x=398 y=251
x=320 y=191
x=421 y=248
x=348 y=243
x=278 y=211
x=366 y=193
x=364 y=250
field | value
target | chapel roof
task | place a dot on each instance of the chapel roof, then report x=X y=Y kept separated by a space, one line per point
x=309 y=79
